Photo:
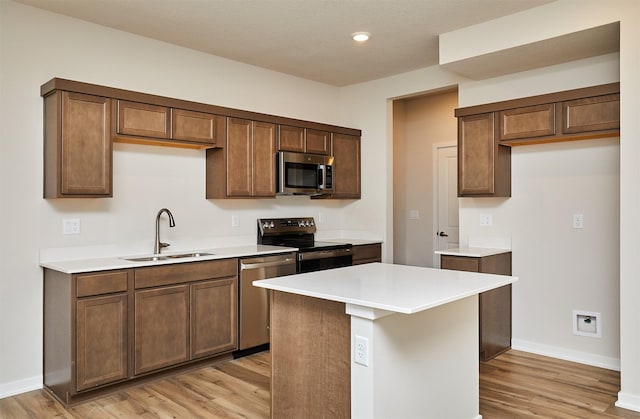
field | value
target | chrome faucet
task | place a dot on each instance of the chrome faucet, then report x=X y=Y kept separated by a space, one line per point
x=158 y=244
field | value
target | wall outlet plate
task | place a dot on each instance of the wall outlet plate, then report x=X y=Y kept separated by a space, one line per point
x=71 y=226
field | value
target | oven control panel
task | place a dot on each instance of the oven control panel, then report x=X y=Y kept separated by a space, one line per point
x=282 y=226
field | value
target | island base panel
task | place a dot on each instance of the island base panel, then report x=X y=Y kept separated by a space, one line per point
x=310 y=350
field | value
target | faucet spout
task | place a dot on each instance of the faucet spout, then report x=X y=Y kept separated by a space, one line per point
x=158 y=246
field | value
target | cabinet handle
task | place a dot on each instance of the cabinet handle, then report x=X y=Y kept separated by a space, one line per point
x=443 y=234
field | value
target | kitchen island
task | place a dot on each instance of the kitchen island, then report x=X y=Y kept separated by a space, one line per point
x=376 y=341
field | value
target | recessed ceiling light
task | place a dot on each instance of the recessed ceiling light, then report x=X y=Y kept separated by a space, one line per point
x=360 y=36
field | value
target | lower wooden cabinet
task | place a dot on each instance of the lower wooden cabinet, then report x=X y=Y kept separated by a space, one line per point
x=161 y=328
x=109 y=328
x=367 y=253
x=494 y=305
x=101 y=340
x=214 y=323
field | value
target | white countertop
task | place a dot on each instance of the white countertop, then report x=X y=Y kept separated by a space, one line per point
x=355 y=242
x=108 y=263
x=396 y=288
x=474 y=252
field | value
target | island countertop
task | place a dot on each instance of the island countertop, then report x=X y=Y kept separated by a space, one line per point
x=397 y=288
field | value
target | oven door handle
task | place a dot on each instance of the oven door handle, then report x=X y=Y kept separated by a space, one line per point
x=323 y=254
x=259 y=265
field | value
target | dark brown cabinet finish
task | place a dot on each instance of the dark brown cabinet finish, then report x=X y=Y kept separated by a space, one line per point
x=494 y=305
x=291 y=138
x=101 y=341
x=77 y=145
x=199 y=127
x=366 y=253
x=86 y=331
x=161 y=328
x=214 y=323
x=346 y=166
x=600 y=113
x=143 y=120
x=304 y=140
x=245 y=167
x=527 y=122
x=104 y=330
x=184 y=312
x=484 y=166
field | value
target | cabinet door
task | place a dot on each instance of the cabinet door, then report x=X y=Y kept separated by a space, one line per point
x=143 y=120
x=484 y=167
x=598 y=113
x=528 y=122
x=161 y=328
x=291 y=138
x=84 y=146
x=194 y=126
x=214 y=323
x=263 y=163
x=101 y=340
x=238 y=157
x=346 y=166
x=318 y=142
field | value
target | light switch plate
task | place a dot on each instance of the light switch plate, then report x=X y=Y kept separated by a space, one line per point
x=578 y=221
x=71 y=226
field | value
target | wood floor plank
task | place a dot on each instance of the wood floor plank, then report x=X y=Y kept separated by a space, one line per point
x=512 y=385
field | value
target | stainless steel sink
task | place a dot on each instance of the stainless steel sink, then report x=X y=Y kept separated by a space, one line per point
x=155 y=258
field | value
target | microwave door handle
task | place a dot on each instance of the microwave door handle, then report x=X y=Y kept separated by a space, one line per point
x=321 y=176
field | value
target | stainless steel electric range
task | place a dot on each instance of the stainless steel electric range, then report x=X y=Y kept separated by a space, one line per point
x=300 y=232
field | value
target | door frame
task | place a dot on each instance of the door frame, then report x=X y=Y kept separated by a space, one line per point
x=435 y=202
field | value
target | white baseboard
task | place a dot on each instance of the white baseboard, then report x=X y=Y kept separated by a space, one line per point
x=628 y=401
x=20 y=386
x=567 y=354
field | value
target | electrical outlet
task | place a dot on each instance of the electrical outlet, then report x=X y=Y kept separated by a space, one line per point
x=361 y=350
x=486 y=220
x=578 y=221
x=71 y=226
x=320 y=217
x=235 y=221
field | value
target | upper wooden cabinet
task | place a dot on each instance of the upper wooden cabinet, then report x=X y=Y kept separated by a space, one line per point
x=484 y=166
x=346 y=166
x=485 y=132
x=143 y=120
x=82 y=121
x=599 y=113
x=77 y=145
x=304 y=140
x=196 y=126
x=528 y=122
x=245 y=167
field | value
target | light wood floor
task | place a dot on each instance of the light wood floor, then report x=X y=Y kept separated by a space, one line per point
x=513 y=385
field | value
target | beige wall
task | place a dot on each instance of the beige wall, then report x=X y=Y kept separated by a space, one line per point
x=419 y=124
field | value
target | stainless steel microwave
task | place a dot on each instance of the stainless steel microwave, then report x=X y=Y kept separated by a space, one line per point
x=304 y=174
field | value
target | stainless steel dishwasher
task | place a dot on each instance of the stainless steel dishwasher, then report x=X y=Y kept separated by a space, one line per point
x=254 y=301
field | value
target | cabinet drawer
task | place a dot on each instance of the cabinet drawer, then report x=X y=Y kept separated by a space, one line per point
x=527 y=122
x=194 y=126
x=101 y=283
x=591 y=114
x=367 y=253
x=184 y=272
x=143 y=120
x=460 y=263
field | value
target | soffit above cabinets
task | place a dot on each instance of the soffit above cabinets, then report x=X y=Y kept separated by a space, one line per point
x=574 y=46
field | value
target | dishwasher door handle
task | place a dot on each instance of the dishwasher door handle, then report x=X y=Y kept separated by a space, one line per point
x=258 y=265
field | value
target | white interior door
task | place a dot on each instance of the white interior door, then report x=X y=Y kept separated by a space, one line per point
x=447 y=229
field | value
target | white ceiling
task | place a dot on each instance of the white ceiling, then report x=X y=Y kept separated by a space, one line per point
x=304 y=38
